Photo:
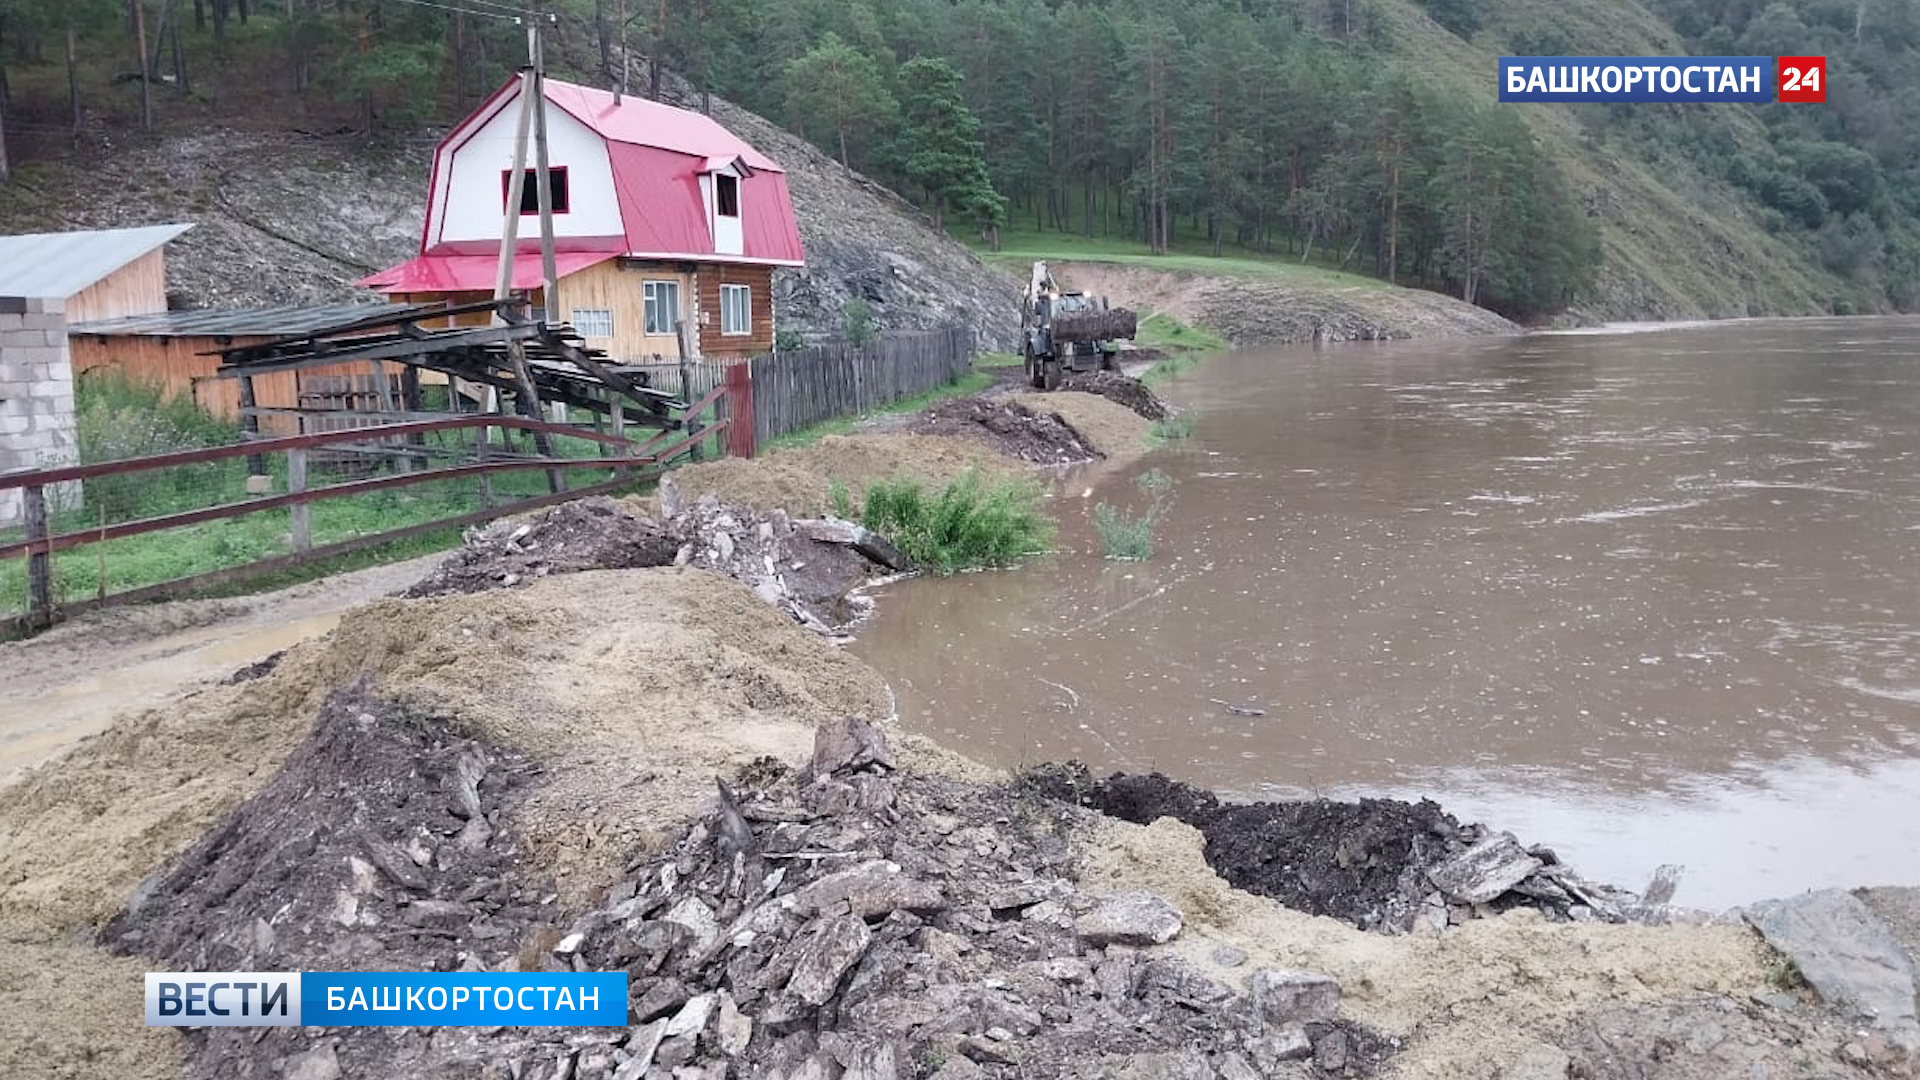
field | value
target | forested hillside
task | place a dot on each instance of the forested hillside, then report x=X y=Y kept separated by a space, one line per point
x=1354 y=133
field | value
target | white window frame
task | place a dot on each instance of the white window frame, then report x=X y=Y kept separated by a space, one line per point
x=742 y=295
x=593 y=322
x=649 y=297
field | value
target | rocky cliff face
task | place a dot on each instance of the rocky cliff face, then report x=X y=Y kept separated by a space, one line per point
x=293 y=219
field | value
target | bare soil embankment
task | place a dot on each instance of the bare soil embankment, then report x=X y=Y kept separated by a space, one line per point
x=1251 y=310
x=994 y=435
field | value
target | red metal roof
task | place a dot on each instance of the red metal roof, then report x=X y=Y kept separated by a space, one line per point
x=475 y=273
x=640 y=122
x=658 y=154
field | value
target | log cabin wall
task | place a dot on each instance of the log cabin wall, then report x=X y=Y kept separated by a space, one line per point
x=759 y=282
x=138 y=288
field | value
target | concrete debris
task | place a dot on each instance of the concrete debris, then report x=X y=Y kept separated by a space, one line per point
x=811 y=569
x=1286 y=998
x=849 y=745
x=319 y=1063
x=1848 y=955
x=1484 y=871
x=835 y=945
x=1133 y=918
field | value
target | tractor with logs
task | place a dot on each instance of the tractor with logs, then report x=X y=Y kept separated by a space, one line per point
x=1063 y=332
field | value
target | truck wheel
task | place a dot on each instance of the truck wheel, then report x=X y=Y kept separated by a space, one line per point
x=1035 y=378
x=1051 y=375
x=1108 y=362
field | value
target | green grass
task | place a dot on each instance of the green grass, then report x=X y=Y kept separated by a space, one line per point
x=1163 y=331
x=1124 y=536
x=1171 y=429
x=998 y=360
x=1020 y=248
x=971 y=383
x=965 y=525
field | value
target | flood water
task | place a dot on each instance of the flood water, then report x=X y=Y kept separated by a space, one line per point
x=1645 y=597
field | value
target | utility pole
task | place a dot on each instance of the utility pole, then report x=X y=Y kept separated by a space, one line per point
x=146 y=69
x=543 y=177
x=526 y=393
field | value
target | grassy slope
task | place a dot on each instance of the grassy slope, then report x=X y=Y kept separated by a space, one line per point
x=1676 y=244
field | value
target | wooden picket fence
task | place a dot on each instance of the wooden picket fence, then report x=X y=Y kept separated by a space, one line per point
x=796 y=389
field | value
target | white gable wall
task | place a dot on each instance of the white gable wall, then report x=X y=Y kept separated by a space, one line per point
x=470 y=187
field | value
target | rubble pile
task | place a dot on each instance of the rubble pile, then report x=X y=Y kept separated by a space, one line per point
x=845 y=920
x=1379 y=864
x=585 y=534
x=838 y=921
x=809 y=568
x=1120 y=389
x=1013 y=429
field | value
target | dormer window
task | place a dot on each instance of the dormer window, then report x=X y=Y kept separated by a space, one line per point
x=727 y=195
x=530 y=189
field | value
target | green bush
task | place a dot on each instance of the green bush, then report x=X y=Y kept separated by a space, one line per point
x=860 y=329
x=1154 y=482
x=1123 y=535
x=964 y=525
x=1173 y=427
x=120 y=417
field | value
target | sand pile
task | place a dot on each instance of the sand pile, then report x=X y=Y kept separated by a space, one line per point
x=797 y=479
x=1114 y=430
x=639 y=682
x=1121 y=390
x=1468 y=1001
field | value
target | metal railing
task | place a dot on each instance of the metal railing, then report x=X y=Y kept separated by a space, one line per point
x=620 y=462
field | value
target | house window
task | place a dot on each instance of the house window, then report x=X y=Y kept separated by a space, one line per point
x=736 y=309
x=663 y=306
x=728 y=194
x=593 y=322
x=530 y=189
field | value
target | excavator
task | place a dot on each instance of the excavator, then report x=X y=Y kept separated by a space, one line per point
x=1064 y=332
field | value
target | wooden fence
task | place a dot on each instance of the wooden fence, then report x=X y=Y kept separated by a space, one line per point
x=793 y=390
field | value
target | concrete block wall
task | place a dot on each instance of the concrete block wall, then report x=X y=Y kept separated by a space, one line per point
x=37 y=426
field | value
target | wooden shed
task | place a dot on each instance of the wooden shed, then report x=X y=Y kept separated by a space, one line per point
x=97 y=273
x=179 y=350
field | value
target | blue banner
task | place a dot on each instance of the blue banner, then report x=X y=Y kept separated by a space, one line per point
x=463 y=998
x=1636 y=78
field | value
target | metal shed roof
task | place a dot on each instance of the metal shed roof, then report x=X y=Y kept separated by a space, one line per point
x=256 y=322
x=62 y=264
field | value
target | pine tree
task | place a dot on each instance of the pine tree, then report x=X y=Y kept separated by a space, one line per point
x=941 y=140
x=835 y=92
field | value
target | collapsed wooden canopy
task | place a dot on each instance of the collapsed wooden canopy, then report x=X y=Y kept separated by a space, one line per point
x=559 y=365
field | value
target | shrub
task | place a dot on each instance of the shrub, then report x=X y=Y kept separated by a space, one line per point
x=1154 y=482
x=788 y=340
x=121 y=417
x=860 y=328
x=1173 y=427
x=1124 y=535
x=964 y=525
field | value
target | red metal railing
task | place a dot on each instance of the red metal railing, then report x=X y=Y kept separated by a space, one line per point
x=631 y=461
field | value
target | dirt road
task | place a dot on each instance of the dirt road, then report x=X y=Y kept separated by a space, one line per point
x=70 y=682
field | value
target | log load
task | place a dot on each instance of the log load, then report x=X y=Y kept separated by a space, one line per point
x=1093 y=325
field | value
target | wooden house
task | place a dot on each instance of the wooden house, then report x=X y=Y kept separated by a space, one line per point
x=660 y=216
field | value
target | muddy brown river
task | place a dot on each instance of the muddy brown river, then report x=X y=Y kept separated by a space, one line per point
x=1647 y=597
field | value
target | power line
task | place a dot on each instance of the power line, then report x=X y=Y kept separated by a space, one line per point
x=506 y=14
